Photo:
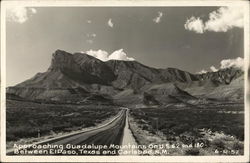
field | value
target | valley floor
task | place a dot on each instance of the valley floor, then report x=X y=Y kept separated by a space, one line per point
x=210 y=131
x=29 y=122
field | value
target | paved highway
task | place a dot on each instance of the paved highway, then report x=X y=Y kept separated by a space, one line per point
x=110 y=133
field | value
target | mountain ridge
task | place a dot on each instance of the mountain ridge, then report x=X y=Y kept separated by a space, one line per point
x=82 y=71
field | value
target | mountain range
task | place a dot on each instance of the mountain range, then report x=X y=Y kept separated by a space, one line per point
x=81 y=78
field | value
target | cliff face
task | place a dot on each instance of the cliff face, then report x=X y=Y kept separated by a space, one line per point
x=224 y=76
x=79 y=75
x=95 y=68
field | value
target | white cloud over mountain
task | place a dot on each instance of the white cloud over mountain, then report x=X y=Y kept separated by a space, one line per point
x=227 y=63
x=120 y=55
x=202 y=72
x=99 y=54
x=221 y=20
x=104 y=56
x=212 y=68
x=19 y=14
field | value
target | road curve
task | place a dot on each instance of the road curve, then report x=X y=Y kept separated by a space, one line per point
x=110 y=133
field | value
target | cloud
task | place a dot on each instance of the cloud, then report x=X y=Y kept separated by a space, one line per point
x=90 y=41
x=225 y=18
x=110 y=23
x=104 y=56
x=237 y=63
x=120 y=55
x=89 y=21
x=19 y=14
x=221 y=20
x=33 y=10
x=212 y=68
x=202 y=72
x=99 y=54
x=194 y=24
x=158 y=18
x=227 y=63
x=90 y=37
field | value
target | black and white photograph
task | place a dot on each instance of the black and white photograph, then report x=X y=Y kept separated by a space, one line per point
x=136 y=82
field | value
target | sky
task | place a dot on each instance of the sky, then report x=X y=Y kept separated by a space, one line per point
x=194 y=39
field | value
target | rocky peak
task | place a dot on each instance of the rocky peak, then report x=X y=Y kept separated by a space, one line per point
x=61 y=60
x=223 y=76
x=94 y=67
x=61 y=55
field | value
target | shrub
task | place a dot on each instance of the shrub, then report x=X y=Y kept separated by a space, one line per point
x=238 y=146
x=219 y=144
x=145 y=127
x=192 y=151
x=11 y=137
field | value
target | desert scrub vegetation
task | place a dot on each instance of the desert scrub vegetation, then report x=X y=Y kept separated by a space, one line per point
x=29 y=119
x=219 y=132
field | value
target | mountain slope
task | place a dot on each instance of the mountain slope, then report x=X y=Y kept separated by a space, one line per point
x=79 y=76
x=132 y=74
x=94 y=67
x=224 y=84
x=166 y=93
x=65 y=73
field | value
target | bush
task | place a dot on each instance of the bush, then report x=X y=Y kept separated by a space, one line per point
x=145 y=127
x=11 y=137
x=192 y=151
x=89 y=123
x=23 y=119
x=219 y=144
x=238 y=146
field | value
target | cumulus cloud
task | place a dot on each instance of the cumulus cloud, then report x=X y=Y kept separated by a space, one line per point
x=120 y=55
x=224 y=19
x=99 y=54
x=104 y=56
x=227 y=63
x=194 y=24
x=202 y=72
x=212 y=68
x=158 y=18
x=110 y=23
x=19 y=14
x=90 y=37
x=221 y=20
x=90 y=41
x=237 y=63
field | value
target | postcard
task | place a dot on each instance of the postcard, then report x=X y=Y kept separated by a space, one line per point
x=125 y=81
